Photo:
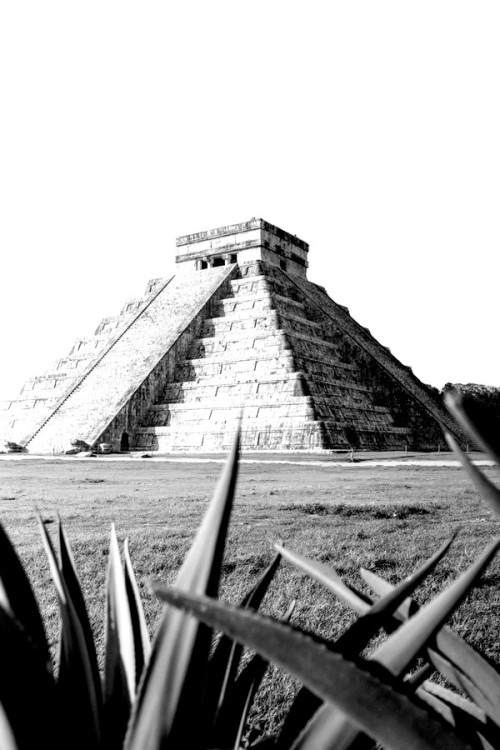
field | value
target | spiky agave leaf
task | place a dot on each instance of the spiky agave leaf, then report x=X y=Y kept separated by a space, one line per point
x=7 y=739
x=233 y=715
x=453 y=699
x=224 y=663
x=232 y=718
x=398 y=650
x=142 y=644
x=351 y=642
x=469 y=721
x=80 y=701
x=377 y=708
x=16 y=596
x=461 y=664
x=27 y=692
x=354 y=640
x=329 y=578
x=72 y=580
x=396 y=653
x=119 y=663
x=172 y=690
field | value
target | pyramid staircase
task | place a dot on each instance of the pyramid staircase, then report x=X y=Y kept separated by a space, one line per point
x=238 y=332
x=41 y=394
x=263 y=356
x=118 y=371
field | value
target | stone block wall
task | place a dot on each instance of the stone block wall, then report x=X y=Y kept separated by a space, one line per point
x=264 y=354
x=126 y=365
x=412 y=405
x=39 y=395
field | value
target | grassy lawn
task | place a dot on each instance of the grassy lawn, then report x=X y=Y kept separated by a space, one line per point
x=388 y=519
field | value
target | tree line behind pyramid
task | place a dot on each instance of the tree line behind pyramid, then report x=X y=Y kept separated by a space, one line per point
x=238 y=332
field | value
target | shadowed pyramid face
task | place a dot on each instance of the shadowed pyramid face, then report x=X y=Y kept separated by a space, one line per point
x=238 y=331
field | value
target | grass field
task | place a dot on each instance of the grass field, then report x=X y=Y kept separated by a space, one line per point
x=388 y=519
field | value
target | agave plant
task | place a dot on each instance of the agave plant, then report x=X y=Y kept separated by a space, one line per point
x=182 y=692
x=351 y=700
x=179 y=692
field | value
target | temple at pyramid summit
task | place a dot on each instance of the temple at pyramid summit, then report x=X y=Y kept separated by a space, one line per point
x=238 y=330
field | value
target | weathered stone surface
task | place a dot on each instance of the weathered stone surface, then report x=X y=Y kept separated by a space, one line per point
x=238 y=332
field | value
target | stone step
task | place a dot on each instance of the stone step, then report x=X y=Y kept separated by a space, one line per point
x=238 y=400
x=246 y=335
x=286 y=382
x=203 y=368
x=73 y=363
x=251 y=341
x=205 y=417
x=259 y=301
x=221 y=350
x=249 y=285
x=133 y=305
x=259 y=341
x=290 y=323
x=90 y=346
x=258 y=320
x=253 y=356
x=241 y=306
x=233 y=308
x=87 y=410
x=223 y=410
x=322 y=368
x=338 y=435
x=265 y=387
x=288 y=435
x=347 y=413
x=109 y=326
x=367 y=416
x=331 y=388
x=50 y=386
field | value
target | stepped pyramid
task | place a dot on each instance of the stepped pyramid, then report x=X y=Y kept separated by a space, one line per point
x=238 y=330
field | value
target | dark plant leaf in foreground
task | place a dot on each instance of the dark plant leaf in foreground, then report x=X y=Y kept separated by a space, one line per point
x=350 y=643
x=397 y=652
x=142 y=645
x=384 y=713
x=80 y=703
x=232 y=717
x=466 y=666
x=27 y=691
x=171 y=694
x=72 y=581
x=470 y=721
x=224 y=662
x=16 y=596
x=119 y=662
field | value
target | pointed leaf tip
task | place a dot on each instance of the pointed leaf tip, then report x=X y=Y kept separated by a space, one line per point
x=485 y=487
x=169 y=697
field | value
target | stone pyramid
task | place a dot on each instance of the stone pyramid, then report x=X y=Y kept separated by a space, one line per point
x=239 y=330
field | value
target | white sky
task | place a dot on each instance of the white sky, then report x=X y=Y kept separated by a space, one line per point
x=369 y=129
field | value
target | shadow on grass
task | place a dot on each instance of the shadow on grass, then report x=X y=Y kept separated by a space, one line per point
x=398 y=512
